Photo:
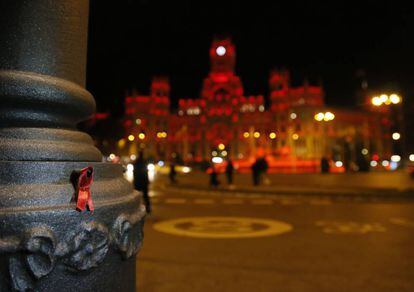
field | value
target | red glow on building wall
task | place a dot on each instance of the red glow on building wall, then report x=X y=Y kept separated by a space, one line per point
x=283 y=128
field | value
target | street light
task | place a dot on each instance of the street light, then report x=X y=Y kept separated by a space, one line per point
x=327 y=116
x=385 y=99
x=395 y=99
x=396 y=136
x=319 y=117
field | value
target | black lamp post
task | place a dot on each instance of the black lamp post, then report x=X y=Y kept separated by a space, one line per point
x=45 y=243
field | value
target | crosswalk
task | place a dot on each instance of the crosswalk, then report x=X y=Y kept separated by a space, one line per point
x=164 y=200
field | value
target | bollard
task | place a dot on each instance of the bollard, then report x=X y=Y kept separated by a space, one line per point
x=46 y=243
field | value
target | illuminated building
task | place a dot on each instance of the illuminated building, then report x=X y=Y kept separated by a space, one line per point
x=294 y=132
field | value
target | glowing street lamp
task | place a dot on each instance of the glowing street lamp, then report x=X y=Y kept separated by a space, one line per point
x=221 y=51
x=395 y=99
x=327 y=116
x=319 y=117
x=396 y=136
x=385 y=99
x=161 y=135
x=396 y=158
x=131 y=138
x=376 y=101
x=141 y=136
x=256 y=135
x=221 y=146
x=272 y=135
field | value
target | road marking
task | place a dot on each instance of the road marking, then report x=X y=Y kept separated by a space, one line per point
x=222 y=227
x=289 y=202
x=175 y=201
x=320 y=202
x=262 y=202
x=233 y=201
x=402 y=222
x=337 y=227
x=204 y=201
x=238 y=201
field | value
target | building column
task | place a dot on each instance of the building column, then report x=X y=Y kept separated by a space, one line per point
x=46 y=244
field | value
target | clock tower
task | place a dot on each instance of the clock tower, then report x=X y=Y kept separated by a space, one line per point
x=222 y=56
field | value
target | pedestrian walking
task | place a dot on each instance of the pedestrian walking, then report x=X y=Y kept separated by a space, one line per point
x=362 y=163
x=256 y=173
x=214 y=181
x=229 y=172
x=263 y=167
x=324 y=165
x=173 y=173
x=141 y=181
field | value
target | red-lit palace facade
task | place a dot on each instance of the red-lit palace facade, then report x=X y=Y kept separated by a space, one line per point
x=293 y=131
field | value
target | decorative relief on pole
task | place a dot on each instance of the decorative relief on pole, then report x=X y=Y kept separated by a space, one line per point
x=35 y=259
x=126 y=237
x=37 y=252
x=85 y=248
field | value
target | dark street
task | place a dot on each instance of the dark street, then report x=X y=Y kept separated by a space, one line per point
x=333 y=245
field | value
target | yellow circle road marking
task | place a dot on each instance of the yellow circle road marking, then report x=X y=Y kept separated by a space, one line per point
x=222 y=227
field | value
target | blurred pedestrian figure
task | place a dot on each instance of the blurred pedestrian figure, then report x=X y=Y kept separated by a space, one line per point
x=141 y=181
x=324 y=165
x=362 y=163
x=214 y=182
x=263 y=167
x=256 y=173
x=229 y=172
x=173 y=173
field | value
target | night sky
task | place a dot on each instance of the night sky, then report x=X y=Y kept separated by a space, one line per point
x=334 y=42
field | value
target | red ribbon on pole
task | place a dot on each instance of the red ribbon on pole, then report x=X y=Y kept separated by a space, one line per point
x=84 y=198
